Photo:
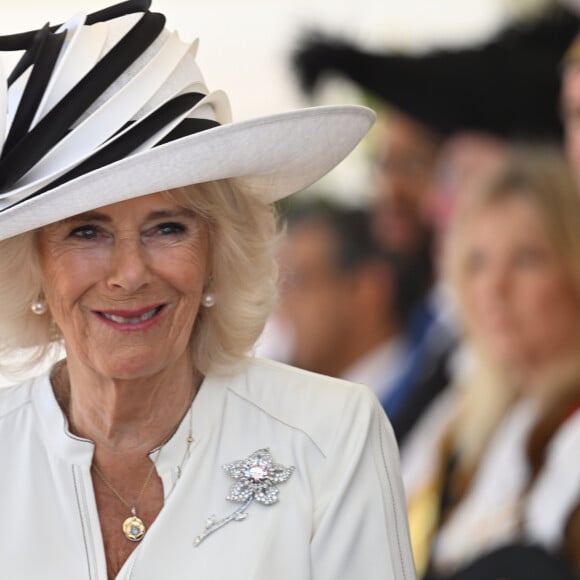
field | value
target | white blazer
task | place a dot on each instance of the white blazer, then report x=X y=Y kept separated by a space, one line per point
x=340 y=515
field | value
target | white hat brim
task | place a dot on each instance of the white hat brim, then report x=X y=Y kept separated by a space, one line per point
x=272 y=157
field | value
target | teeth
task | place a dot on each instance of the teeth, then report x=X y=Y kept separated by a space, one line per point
x=133 y=320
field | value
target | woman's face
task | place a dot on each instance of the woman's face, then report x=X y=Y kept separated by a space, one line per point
x=124 y=283
x=521 y=304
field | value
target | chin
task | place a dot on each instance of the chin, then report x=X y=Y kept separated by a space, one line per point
x=509 y=357
x=132 y=367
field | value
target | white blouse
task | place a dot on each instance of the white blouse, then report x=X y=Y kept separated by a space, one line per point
x=340 y=514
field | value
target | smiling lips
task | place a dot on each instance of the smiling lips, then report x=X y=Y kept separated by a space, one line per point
x=131 y=319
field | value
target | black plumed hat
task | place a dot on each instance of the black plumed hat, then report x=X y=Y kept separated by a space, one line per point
x=508 y=86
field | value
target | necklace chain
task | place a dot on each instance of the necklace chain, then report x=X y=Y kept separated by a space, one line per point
x=133 y=526
x=132 y=507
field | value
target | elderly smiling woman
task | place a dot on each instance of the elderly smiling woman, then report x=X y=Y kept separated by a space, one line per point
x=137 y=232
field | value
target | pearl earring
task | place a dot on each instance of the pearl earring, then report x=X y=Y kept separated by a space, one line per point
x=38 y=307
x=208 y=300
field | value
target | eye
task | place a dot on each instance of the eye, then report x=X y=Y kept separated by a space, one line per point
x=529 y=258
x=165 y=232
x=167 y=229
x=85 y=232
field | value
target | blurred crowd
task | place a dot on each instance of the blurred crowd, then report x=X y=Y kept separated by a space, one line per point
x=455 y=295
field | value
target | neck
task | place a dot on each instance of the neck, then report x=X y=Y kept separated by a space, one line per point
x=125 y=416
x=551 y=380
x=360 y=344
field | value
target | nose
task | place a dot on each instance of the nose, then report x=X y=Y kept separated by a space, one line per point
x=129 y=265
x=496 y=287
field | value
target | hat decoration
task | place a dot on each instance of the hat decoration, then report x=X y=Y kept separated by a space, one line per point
x=507 y=86
x=111 y=105
x=67 y=113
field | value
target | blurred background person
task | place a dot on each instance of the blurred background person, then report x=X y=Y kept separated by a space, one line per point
x=502 y=499
x=465 y=159
x=405 y=162
x=407 y=151
x=343 y=299
x=462 y=109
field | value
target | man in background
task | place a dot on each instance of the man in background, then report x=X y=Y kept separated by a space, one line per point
x=341 y=297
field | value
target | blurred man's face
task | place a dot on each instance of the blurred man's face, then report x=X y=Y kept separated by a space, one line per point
x=571 y=116
x=315 y=299
x=407 y=155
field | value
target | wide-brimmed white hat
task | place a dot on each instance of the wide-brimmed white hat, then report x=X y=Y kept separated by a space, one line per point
x=112 y=105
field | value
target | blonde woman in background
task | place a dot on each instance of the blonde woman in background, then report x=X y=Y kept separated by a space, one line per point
x=503 y=499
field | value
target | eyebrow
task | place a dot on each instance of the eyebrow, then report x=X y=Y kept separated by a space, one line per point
x=181 y=212
x=96 y=216
x=89 y=216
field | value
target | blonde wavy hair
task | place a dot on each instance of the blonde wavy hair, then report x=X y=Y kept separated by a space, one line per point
x=244 y=238
x=541 y=177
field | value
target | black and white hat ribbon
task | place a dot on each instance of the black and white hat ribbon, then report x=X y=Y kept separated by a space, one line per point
x=94 y=90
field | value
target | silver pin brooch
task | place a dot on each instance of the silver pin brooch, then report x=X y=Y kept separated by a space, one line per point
x=257 y=478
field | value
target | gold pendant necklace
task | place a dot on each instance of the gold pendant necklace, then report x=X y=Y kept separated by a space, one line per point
x=133 y=527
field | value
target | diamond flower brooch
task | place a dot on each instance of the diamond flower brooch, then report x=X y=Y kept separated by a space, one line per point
x=256 y=479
